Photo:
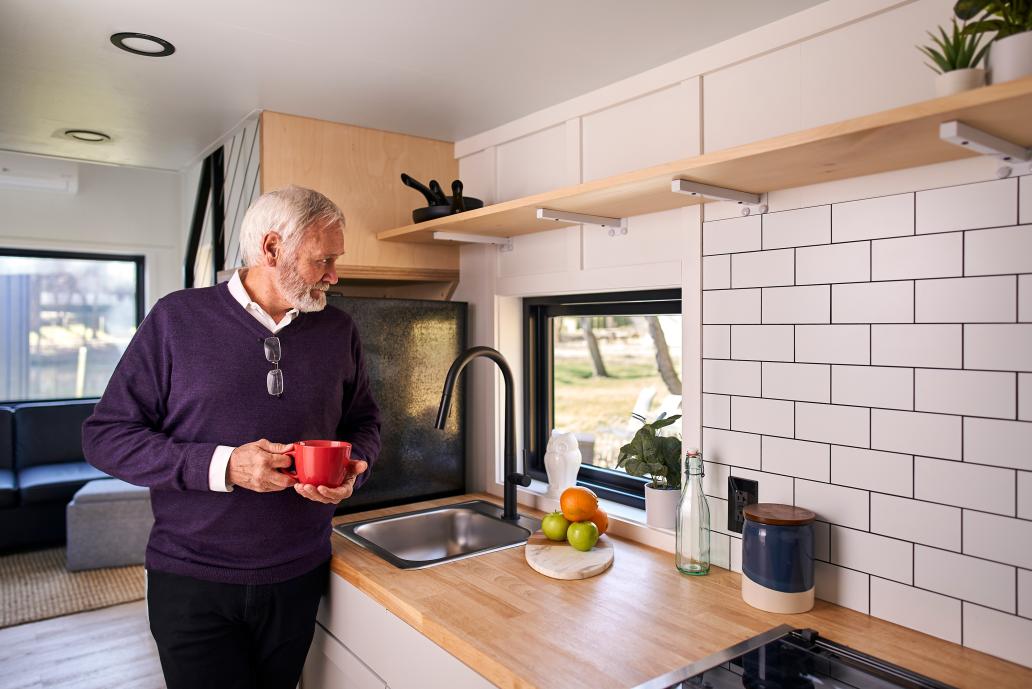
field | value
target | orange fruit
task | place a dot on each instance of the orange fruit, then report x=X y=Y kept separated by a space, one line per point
x=601 y=520
x=578 y=504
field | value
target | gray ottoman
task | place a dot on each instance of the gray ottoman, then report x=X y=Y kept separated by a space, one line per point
x=109 y=522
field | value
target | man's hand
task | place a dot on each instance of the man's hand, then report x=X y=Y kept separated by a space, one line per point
x=254 y=466
x=333 y=496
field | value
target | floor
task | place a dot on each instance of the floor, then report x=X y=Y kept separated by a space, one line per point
x=100 y=649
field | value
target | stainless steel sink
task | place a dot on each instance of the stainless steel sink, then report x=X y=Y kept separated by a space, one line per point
x=439 y=534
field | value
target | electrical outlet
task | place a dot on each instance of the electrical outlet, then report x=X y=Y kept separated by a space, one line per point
x=740 y=493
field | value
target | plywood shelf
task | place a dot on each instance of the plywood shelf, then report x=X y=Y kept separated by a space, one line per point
x=891 y=140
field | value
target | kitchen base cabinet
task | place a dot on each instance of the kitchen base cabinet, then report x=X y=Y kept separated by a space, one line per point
x=383 y=643
x=330 y=665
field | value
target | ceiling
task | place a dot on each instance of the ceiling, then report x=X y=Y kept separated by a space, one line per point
x=446 y=69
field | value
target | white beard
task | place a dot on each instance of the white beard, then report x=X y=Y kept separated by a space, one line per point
x=299 y=293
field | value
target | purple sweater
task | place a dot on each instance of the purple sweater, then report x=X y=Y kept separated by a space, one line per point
x=193 y=378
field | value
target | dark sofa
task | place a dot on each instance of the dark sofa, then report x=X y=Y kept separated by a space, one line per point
x=41 y=468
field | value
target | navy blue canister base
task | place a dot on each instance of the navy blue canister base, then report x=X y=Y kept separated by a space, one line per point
x=777 y=558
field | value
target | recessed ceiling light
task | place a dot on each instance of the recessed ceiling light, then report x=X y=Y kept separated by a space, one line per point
x=87 y=135
x=142 y=44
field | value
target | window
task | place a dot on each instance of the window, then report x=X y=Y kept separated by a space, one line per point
x=599 y=365
x=65 y=320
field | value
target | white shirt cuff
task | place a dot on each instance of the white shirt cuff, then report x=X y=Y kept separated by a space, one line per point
x=218 y=468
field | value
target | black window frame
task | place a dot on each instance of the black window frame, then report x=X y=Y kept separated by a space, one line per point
x=137 y=259
x=538 y=390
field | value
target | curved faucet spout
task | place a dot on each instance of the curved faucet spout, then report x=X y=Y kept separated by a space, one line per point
x=512 y=478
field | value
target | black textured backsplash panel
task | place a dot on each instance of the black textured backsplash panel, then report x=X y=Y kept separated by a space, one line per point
x=408 y=346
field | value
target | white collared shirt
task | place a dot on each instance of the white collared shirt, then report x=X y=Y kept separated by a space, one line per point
x=219 y=464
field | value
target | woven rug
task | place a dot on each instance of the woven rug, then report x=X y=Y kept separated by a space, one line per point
x=36 y=586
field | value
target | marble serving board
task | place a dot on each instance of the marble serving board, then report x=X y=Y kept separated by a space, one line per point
x=560 y=560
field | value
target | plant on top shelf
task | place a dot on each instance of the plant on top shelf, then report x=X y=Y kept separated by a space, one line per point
x=658 y=458
x=955 y=57
x=1010 y=52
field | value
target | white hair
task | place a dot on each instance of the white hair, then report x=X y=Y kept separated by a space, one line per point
x=287 y=212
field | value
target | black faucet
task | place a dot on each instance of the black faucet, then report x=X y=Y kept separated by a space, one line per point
x=512 y=478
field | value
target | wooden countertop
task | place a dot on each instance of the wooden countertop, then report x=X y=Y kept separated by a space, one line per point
x=636 y=621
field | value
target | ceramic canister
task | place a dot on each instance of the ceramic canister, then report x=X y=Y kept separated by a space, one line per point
x=777 y=558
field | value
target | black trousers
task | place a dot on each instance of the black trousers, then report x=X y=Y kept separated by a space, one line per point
x=233 y=636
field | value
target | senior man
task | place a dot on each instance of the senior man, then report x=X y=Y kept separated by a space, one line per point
x=214 y=387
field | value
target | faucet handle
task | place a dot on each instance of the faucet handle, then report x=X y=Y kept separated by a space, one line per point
x=519 y=479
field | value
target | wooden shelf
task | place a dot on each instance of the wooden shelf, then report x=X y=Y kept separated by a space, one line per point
x=891 y=140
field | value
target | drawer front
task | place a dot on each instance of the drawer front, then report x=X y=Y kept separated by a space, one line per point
x=332 y=666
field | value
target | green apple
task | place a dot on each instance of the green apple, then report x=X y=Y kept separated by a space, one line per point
x=582 y=535
x=554 y=526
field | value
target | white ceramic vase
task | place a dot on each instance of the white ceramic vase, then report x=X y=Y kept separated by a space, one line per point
x=948 y=83
x=562 y=462
x=1010 y=58
x=661 y=506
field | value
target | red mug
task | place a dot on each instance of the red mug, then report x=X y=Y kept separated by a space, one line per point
x=320 y=462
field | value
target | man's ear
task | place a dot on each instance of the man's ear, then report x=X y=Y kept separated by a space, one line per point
x=271 y=248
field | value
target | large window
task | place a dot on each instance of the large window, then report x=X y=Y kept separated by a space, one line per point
x=600 y=365
x=65 y=320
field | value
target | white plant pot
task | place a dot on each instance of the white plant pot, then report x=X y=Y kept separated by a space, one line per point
x=661 y=507
x=958 y=80
x=1010 y=58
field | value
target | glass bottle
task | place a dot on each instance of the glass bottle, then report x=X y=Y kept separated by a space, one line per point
x=693 y=520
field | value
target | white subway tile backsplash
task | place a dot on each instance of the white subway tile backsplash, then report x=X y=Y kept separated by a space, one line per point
x=833 y=344
x=821 y=541
x=772 y=417
x=836 y=505
x=799 y=227
x=999 y=250
x=924 y=611
x=720 y=550
x=1025 y=200
x=763 y=268
x=1003 y=539
x=730 y=236
x=997 y=347
x=1025 y=587
x=1025 y=494
x=796 y=304
x=803 y=382
x=873 y=302
x=763 y=342
x=716 y=411
x=964 y=485
x=714 y=480
x=729 y=447
x=914 y=433
x=731 y=306
x=975 y=393
x=849 y=262
x=927 y=346
x=842 y=586
x=929 y=256
x=970 y=578
x=833 y=424
x=917 y=521
x=736 y=554
x=1025 y=298
x=873 y=386
x=716 y=272
x=878 y=555
x=965 y=300
x=773 y=487
x=716 y=341
x=731 y=377
x=998 y=633
x=795 y=458
x=885 y=216
x=1000 y=443
x=885 y=472
x=1025 y=396
x=986 y=204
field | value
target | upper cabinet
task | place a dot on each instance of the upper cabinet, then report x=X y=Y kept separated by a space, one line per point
x=360 y=170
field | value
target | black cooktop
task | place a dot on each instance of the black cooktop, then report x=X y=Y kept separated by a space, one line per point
x=784 y=658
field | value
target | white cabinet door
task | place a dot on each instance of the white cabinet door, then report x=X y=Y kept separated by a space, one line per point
x=332 y=666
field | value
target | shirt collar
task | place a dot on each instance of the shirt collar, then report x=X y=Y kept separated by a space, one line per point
x=239 y=293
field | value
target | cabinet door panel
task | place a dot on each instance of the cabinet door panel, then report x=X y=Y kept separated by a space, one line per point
x=332 y=666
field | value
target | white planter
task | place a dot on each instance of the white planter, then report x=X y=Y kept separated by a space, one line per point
x=1010 y=58
x=661 y=507
x=959 y=80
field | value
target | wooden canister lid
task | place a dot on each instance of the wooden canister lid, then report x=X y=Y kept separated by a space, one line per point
x=778 y=515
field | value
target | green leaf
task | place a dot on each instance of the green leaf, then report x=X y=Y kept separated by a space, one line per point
x=967 y=9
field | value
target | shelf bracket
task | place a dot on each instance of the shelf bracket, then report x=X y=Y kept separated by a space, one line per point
x=503 y=243
x=966 y=136
x=708 y=191
x=615 y=225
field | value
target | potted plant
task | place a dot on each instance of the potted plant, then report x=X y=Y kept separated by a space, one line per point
x=955 y=57
x=658 y=458
x=1010 y=54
